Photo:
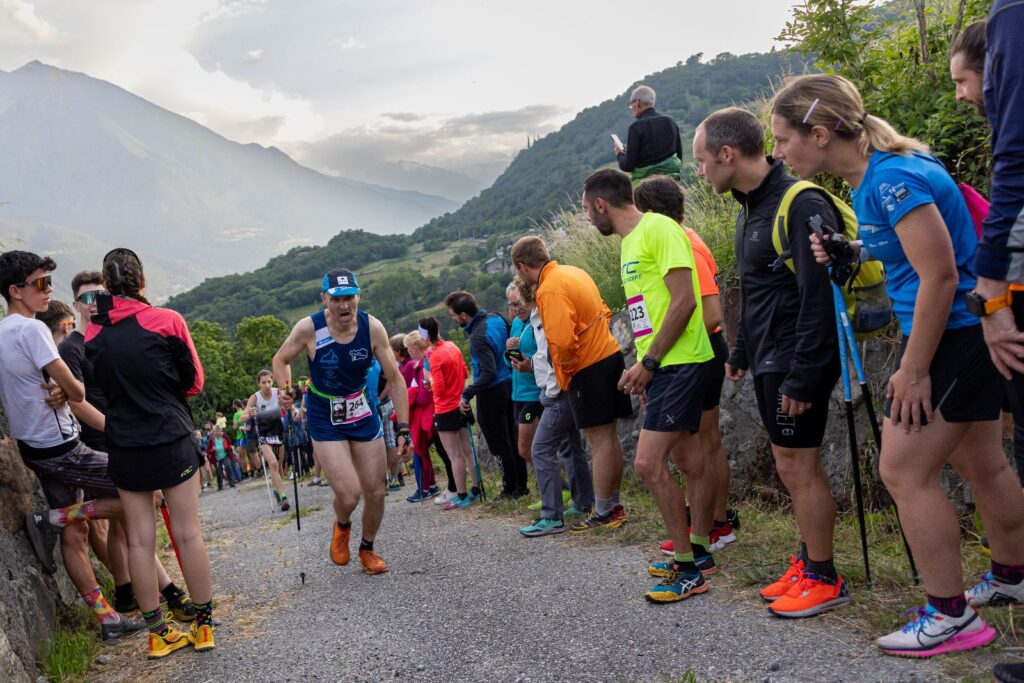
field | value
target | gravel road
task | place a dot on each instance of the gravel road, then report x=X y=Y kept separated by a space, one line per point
x=468 y=599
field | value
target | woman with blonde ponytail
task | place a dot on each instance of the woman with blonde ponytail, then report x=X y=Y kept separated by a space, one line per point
x=944 y=396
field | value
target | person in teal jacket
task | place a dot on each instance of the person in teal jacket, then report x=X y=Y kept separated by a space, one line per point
x=519 y=350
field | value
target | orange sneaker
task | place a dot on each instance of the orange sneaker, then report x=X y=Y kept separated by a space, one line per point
x=339 y=544
x=774 y=591
x=809 y=596
x=372 y=562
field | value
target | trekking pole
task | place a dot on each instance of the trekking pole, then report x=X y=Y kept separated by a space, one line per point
x=476 y=462
x=263 y=460
x=170 y=534
x=841 y=322
x=294 y=453
x=851 y=341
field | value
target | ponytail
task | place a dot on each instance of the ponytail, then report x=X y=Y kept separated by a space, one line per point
x=123 y=274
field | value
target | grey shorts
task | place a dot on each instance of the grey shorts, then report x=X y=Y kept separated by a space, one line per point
x=80 y=469
x=386 y=410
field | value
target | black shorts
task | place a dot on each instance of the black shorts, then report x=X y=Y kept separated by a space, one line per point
x=802 y=431
x=528 y=412
x=674 y=398
x=594 y=395
x=80 y=469
x=966 y=387
x=452 y=421
x=152 y=468
x=716 y=372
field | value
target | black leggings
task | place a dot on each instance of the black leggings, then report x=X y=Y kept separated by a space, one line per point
x=443 y=454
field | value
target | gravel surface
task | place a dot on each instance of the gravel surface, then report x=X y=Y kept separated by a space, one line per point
x=468 y=599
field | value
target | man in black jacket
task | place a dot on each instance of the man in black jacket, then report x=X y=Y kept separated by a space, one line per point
x=787 y=339
x=653 y=146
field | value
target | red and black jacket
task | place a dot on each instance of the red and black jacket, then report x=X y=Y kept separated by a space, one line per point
x=144 y=360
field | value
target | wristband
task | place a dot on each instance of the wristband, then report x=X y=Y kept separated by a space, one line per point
x=403 y=426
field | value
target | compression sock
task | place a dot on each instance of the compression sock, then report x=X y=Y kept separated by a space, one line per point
x=365 y=545
x=98 y=604
x=603 y=506
x=824 y=569
x=953 y=607
x=700 y=545
x=204 y=613
x=155 y=622
x=684 y=563
x=1008 y=573
x=79 y=512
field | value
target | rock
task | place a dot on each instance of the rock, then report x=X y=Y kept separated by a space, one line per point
x=102 y=660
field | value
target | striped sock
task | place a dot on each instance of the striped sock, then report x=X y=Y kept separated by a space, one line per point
x=204 y=613
x=78 y=512
x=100 y=607
x=155 y=622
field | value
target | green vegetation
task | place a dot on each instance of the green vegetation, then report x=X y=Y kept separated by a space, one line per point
x=66 y=657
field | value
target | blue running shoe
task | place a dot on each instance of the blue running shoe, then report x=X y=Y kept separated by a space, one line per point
x=676 y=587
x=459 y=503
x=543 y=527
x=419 y=497
x=435 y=490
x=662 y=570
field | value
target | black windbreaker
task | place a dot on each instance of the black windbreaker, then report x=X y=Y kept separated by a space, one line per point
x=787 y=324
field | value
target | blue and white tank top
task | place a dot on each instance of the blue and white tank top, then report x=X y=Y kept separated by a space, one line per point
x=340 y=369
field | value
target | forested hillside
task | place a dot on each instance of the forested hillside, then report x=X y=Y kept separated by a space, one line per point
x=541 y=181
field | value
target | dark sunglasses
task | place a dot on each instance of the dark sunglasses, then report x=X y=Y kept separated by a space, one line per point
x=41 y=284
x=89 y=298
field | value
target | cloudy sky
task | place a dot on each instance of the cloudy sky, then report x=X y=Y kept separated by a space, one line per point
x=356 y=87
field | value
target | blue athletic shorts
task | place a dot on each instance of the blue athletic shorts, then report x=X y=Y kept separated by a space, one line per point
x=318 y=424
x=675 y=396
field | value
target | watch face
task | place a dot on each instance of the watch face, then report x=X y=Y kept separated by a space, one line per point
x=975 y=303
x=649 y=364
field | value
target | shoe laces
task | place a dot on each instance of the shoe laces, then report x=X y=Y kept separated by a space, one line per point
x=807 y=581
x=921 y=619
x=985 y=583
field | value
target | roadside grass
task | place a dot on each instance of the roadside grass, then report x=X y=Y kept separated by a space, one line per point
x=290 y=517
x=67 y=656
x=768 y=536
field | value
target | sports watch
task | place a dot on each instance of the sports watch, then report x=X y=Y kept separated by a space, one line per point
x=650 y=365
x=980 y=306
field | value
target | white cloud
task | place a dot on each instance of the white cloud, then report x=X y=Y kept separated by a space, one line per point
x=350 y=43
x=253 y=56
x=23 y=14
x=232 y=9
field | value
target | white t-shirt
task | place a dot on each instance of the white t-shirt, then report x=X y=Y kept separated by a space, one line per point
x=543 y=373
x=26 y=346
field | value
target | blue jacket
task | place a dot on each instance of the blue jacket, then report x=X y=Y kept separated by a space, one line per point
x=524 y=386
x=1004 y=104
x=487 y=334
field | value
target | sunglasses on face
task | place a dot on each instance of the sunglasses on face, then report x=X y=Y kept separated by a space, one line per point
x=41 y=284
x=89 y=298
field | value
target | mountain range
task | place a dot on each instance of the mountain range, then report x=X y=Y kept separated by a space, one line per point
x=87 y=166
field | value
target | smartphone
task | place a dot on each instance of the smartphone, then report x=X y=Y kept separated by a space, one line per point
x=616 y=140
x=516 y=355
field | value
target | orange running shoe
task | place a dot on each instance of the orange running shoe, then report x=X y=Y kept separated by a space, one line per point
x=339 y=544
x=774 y=591
x=372 y=562
x=809 y=596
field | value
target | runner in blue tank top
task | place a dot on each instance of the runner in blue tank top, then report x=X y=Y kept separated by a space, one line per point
x=340 y=343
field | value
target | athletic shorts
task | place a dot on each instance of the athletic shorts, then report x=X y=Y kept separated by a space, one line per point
x=802 y=431
x=716 y=372
x=386 y=410
x=966 y=387
x=452 y=421
x=241 y=442
x=528 y=412
x=320 y=428
x=674 y=398
x=594 y=395
x=80 y=469
x=155 y=467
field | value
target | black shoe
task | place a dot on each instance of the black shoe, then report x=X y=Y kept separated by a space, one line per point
x=181 y=607
x=1009 y=673
x=124 y=627
x=43 y=537
x=732 y=518
x=124 y=604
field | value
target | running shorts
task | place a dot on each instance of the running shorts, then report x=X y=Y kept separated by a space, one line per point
x=452 y=421
x=79 y=469
x=716 y=372
x=803 y=431
x=320 y=427
x=386 y=410
x=594 y=395
x=674 y=398
x=966 y=387
x=154 y=467
x=528 y=412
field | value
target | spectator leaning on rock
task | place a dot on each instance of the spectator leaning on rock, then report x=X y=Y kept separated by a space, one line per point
x=653 y=146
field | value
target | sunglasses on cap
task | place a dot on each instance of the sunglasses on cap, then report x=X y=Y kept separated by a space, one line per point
x=121 y=250
x=89 y=298
x=41 y=284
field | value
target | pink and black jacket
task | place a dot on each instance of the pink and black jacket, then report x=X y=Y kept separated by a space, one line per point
x=145 y=362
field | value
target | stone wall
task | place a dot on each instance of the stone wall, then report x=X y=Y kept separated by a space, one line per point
x=32 y=600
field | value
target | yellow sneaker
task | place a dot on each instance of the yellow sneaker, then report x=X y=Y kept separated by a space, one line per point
x=161 y=646
x=201 y=636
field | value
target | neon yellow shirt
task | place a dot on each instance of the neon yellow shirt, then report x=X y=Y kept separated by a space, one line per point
x=656 y=246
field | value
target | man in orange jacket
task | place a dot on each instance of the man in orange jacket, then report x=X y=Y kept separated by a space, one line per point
x=588 y=364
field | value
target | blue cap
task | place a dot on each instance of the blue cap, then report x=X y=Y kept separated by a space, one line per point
x=340 y=282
